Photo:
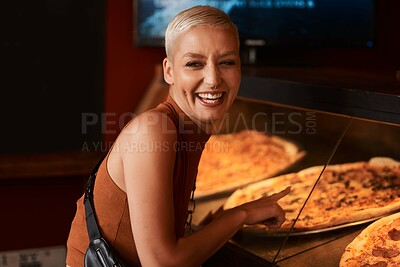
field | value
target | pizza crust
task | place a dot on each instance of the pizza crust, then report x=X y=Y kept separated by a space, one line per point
x=384 y=161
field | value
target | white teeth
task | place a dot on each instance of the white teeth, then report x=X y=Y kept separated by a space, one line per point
x=210 y=96
x=210 y=101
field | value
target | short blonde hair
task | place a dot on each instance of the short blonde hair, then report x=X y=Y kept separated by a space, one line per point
x=196 y=16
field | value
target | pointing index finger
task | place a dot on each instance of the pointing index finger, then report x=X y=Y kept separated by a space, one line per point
x=279 y=195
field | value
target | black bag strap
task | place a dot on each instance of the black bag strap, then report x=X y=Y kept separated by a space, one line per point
x=91 y=222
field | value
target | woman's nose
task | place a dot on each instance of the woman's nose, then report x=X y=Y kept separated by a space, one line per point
x=212 y=76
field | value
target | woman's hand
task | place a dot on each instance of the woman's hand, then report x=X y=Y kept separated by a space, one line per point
x=265 y=210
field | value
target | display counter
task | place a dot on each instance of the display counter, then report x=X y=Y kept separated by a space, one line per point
x=336 y=117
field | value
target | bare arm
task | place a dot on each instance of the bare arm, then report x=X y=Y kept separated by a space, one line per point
x=148 y=183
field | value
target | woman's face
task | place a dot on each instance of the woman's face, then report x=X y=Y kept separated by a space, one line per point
x=204 y=73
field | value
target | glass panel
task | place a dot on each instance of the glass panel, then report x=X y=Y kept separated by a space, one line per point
x=351 y=168
x=317 y=134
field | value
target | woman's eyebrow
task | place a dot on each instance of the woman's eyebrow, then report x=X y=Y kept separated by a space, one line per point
x=196 y=55
x=193 y=55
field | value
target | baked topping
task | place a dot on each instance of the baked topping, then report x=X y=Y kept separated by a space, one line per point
x=394 y=234
x=385 y=252
x=378 y=264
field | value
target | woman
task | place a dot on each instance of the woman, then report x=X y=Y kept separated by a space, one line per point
x=144 y=185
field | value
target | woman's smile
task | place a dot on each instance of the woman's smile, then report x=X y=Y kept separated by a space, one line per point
x=211 y=99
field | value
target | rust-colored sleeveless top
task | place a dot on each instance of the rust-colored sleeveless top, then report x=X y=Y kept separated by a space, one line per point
x=111 y=203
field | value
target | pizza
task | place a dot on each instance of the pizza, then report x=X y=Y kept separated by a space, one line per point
x=348 y=192
x=377 y=245
x=233 y=160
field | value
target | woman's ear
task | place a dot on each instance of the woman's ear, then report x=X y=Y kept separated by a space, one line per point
x=168 y=72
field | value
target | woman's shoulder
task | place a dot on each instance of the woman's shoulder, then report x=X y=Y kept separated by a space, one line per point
x=150 y=124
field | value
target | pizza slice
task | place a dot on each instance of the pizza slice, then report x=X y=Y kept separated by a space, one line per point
x=377 y=245
x=233 y=160
x=348 y=192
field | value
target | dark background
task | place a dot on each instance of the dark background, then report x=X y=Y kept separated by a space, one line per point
x=60 y=59
x=52 y=61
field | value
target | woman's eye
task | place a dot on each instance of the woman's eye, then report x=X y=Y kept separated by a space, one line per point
x=193 y=64
x=227 y=62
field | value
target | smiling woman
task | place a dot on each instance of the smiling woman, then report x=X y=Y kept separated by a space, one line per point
x=141 y=196
x=204 y=72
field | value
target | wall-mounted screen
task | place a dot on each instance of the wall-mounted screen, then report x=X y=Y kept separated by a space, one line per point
x=270 y=23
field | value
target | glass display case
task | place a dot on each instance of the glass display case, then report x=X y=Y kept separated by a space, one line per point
x=335 y=118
